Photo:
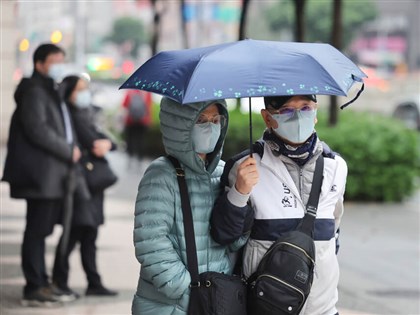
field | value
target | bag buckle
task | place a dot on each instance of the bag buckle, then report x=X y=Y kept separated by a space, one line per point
x=311 y=210
x=180 y=172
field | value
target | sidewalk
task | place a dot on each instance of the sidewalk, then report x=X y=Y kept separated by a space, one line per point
x=116 y=261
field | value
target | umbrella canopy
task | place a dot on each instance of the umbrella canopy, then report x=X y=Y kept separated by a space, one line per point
x=246 y=68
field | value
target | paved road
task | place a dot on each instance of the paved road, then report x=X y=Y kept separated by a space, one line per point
x=379 y=255
x=380 y=258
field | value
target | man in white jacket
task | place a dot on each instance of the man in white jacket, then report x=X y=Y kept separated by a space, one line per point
x=266 y=195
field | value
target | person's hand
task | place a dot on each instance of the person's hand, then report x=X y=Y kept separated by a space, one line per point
x=247 y=176
x=101 y=147
x=76 y=154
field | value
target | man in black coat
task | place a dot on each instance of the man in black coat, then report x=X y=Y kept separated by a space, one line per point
x=41 y=151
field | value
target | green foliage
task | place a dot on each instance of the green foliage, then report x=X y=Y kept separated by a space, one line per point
x=237 y=138
x=318 y=18
x=128 y=30
x=382 y=155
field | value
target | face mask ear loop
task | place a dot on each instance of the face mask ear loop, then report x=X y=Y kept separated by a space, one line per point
x=355 y=98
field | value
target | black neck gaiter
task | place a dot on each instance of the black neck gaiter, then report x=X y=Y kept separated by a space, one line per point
x=300 y=155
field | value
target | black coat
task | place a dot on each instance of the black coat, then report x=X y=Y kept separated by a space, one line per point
x=87 y=212
x=38 y=155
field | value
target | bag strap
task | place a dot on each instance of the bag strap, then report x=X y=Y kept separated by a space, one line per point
x=308 y=222
x=188 y=224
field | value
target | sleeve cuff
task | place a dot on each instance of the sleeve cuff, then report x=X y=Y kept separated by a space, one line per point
x=236 y=198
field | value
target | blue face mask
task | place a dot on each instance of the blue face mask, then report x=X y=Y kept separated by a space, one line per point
x=83 y=99
x=296 y=128
x=57 y=71
x=205 y=136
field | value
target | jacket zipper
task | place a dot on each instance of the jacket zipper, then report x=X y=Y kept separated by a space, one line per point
x=284 y=283
x=300 y=180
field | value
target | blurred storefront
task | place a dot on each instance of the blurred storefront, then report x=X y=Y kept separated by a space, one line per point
x=391 y=42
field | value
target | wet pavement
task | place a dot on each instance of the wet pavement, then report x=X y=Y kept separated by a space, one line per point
x=379 y=255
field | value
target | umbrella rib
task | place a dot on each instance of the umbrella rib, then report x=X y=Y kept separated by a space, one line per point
x=326 y=71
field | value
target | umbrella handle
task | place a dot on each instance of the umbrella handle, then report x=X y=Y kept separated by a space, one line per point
x=355 y=98
x=250 y=128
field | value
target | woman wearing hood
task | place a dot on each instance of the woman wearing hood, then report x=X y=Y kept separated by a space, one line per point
x=194 y=134
x=88 y=209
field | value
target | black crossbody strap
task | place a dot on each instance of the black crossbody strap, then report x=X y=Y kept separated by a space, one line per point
x=188 y=223
x=308 y=221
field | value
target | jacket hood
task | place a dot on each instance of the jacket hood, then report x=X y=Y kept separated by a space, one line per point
x=177 y=122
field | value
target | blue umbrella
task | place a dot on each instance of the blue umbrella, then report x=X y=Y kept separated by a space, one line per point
x=246 y=68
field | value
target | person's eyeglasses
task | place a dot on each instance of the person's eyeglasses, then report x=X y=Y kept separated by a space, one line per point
x=290 y=111
x=218 y=120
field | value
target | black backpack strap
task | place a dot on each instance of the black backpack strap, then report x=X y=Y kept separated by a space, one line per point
x=188 y=224
x=327 y=152
x=258 y=147
x=308 y=221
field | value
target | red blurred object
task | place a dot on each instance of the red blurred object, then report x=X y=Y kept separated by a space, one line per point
x=147 y=97
x=127 y=67
x=374 y=79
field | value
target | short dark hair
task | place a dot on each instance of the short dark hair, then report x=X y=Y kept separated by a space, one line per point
x=276 y=102
x=44 y=50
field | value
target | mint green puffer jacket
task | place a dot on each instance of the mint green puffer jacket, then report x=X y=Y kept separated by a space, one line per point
x=158 y=228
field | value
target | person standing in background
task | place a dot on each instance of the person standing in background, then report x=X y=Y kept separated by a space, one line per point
x=88 y=214
x=138 y=118
x=41 y=150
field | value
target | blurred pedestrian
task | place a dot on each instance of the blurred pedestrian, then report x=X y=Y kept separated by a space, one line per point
x=138 y=118
x=41 y=151
x=88 y=214
x=274 y=186
x=193 y=134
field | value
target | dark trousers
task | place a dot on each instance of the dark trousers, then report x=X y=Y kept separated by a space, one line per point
x=135 y=140
x=86 y=236
x=41 y=216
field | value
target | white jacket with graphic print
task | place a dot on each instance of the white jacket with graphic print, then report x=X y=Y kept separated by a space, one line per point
x=278 y=204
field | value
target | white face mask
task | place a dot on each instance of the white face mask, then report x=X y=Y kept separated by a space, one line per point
x=83 y=99
x=205 y=136
x=57 y=71
x=297 y=128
